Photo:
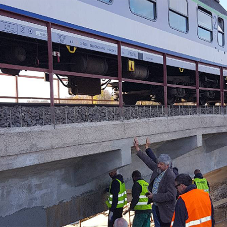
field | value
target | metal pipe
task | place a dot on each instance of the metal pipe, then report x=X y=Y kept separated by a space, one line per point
x=67 y=73
x=19 y=67
x=209 y=89
x=119 y=74
x=221 y=87
x=197 y=84
x=50 y=64
x=181 y=86
x=59 y=101
x=30 y=77
x=143 y=82
x=165 y=80
x=16 y=80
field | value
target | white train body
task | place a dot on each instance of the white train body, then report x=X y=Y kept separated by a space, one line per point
x=100 y=18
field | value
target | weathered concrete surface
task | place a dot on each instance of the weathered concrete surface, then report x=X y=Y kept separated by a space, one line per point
x=49 y=195
x=57 y=176
x=25 y=217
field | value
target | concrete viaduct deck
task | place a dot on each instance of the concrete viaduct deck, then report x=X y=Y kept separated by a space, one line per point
x=55 y=176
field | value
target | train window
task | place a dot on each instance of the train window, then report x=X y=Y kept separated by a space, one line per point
x=178 y=15
x=107 y=1
x=143 y=8
x=221 y=32
x=205 y=31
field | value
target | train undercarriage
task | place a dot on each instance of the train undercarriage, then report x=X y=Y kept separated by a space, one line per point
x=24 y=51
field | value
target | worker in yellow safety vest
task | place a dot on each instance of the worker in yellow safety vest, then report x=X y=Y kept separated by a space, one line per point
x=200 y=181
x=139 y=201
x=193 y=207
x=117 y=197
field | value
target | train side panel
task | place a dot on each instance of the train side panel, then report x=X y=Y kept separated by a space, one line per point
x=155 y=35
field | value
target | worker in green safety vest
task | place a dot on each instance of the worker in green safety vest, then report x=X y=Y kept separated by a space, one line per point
x=200 y=181
x=140 y=201
x=117 y=197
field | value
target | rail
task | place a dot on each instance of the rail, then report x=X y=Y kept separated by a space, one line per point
x=27 y=116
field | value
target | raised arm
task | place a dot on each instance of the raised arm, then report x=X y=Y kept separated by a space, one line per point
x=149 y=152
x=145 y=158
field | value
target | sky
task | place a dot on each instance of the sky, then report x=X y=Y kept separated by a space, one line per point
x=224 y=3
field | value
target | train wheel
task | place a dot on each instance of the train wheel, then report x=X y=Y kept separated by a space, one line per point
x=171 y=100
x=211 y=103
x=202 y=101
x=130 y=99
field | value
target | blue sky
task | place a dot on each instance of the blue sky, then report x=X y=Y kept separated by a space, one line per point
x=224 y=3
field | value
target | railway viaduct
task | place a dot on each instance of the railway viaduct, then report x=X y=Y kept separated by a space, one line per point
x=55 y=176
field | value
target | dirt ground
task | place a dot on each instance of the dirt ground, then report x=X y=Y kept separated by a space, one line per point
x=223 y=224
x=218 y=192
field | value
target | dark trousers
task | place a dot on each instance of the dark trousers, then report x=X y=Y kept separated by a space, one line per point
x=116 y=214
x=162 y=224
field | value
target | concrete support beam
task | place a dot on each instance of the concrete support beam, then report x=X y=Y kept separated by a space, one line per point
x=93 y=166
x=178 y=147
x=198 y=159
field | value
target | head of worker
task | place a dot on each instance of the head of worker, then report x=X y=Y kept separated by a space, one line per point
x=182 y=181
x=113 y=173
x=120 y=222
x=164 y=162
x=136 y=175
x=197 y=171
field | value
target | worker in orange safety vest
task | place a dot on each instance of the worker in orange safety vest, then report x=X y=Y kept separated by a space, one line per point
x=193 y=207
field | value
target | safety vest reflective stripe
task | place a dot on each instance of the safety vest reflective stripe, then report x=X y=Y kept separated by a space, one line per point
x=141 y=203
x=197 y=222
x=143 y=197
x=119 y=195
x=119 y=202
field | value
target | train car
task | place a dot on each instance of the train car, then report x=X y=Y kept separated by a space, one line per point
x=188 y=31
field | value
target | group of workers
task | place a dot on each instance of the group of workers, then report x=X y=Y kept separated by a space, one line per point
x=177 y=200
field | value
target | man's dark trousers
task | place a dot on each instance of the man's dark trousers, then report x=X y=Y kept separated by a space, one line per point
x=117 y=213
x=162 y=224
